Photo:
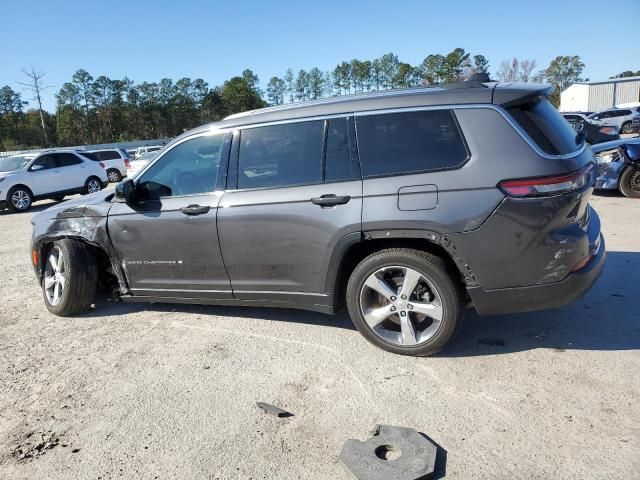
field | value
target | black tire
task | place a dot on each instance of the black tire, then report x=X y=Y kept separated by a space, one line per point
x=113 y=175
x=626 y=128
x=629 y=184
x=431 y=267
x=81 y=278
x=23 y=192
x=88 y=182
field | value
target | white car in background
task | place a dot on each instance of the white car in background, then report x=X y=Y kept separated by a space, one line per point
x=142 y=150
x=49 y=174
x=116 y=161
x=139 y=163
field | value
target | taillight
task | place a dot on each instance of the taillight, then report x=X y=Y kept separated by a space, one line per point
x=609 y=130
x=127 y=163
x=101 y=164
x=546 y=186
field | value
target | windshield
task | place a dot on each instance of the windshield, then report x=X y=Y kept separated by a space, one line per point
x=17 y=162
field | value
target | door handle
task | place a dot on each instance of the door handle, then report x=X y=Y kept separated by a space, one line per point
x=195 y=209
x=330 y=200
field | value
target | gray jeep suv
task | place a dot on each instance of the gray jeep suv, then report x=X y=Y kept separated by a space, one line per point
x=407 y=206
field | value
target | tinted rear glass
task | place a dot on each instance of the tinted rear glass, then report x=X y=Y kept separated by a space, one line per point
x=108 y=155
x=546 y=127
x=397 y=143
x=281 y=155
x=90 y=156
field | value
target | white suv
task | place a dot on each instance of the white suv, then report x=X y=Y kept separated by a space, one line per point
x=116 y=162
x=50 y=174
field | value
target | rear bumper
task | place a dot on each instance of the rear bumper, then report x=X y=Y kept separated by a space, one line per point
x=539 y=297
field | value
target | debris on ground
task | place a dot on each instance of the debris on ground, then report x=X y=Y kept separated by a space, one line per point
x=273 y=410
x=393 y=452
x=34 y=445
x=492 y=341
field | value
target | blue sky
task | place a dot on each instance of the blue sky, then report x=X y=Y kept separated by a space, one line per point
x=149 y=40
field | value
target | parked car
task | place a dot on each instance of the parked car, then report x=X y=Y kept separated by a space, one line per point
x=142 y=150
x=476 y=194
x=593 y=134
x=618 y=166
x=50 y=174
x=116 y=161
x=620 y=118
x=139 y=163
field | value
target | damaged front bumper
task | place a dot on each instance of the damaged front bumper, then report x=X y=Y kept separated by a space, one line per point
x=608 y=174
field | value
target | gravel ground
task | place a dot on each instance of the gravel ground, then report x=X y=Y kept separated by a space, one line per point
x=169 y=391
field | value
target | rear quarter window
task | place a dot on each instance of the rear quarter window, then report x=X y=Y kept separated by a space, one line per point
x=406 y=142
x=545 y=126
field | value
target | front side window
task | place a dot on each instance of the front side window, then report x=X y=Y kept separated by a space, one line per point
x=281 y=155
x=46 y=161
x=398 y=143
x=189 y=168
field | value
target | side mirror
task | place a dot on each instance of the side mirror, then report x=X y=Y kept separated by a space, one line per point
x=35 y=168
x=125 y=191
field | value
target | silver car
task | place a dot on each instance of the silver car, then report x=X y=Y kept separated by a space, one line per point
x=620 y=118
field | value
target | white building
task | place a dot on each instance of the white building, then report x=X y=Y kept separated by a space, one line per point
x=596 y=96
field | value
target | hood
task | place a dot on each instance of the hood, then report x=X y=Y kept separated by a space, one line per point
x=599 y=147
x=94 y=205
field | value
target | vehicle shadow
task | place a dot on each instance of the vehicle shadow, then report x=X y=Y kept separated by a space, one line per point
x=605 y=318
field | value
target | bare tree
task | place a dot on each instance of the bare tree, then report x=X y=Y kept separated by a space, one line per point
x=36 y=87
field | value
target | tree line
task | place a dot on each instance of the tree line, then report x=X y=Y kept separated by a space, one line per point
x=103 y=110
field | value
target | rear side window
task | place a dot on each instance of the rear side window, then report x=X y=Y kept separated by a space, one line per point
x=397 y=143
x=67 y=159
x=341 y=161
x=545 y=126
x=108 y=155
x=281 y=155
x=90 y=156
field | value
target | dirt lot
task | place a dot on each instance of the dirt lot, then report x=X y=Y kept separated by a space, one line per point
x=169 y=391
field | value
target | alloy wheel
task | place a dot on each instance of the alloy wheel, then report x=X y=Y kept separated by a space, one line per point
x=401 y=305
x=21 y=200
x=55 y=276
x=93 y=186
x=113 y=176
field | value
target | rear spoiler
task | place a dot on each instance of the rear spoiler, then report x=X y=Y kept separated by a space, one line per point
x=509 y=94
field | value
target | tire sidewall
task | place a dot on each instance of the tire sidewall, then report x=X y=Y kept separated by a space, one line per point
x=437 y=275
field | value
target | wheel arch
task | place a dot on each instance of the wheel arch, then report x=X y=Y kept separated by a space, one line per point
x=23 y=185
x=107 y=263
x=353 y=248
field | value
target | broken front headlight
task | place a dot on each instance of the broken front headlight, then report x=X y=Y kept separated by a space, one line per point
x=606 y=156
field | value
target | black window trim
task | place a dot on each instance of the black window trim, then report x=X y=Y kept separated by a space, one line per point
x=421 y=171
x=234 y=162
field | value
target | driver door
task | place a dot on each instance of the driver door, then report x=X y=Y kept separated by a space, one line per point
x=167 y=238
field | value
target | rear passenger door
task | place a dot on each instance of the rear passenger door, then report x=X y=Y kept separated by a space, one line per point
x=73 y=172
x=294 y=190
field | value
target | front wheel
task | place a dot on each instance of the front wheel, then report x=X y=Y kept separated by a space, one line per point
x=70 y=278
x=92 y=185
x=405 y=301
x=19 y=199
x=630 y=182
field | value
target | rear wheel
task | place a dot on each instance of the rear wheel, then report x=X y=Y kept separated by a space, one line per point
x=70 y=278
x=92 y=185
x=19 y=199
x=405 y=301
x=626 y=127
x=630 y=182
x=114 y=176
